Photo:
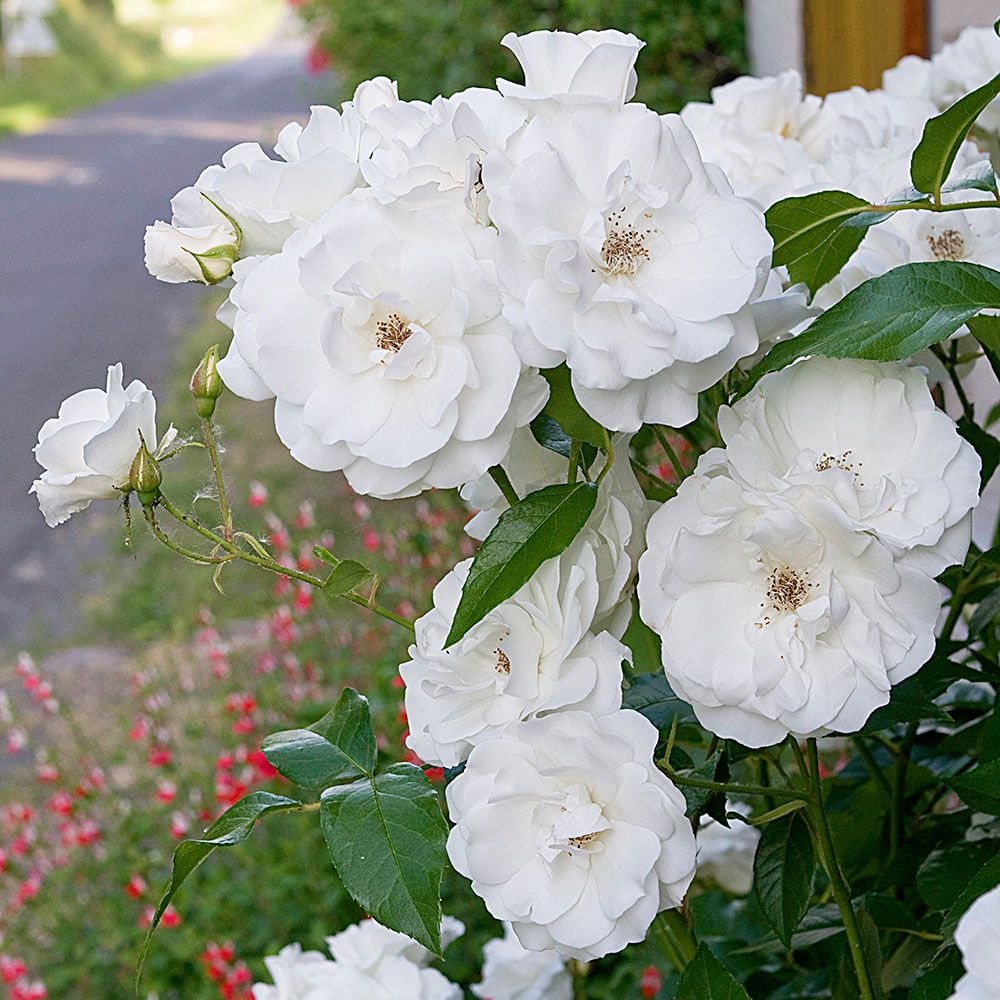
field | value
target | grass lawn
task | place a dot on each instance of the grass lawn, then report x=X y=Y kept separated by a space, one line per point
x=149 y=41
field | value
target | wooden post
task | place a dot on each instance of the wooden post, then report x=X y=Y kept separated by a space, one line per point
x=851 y=42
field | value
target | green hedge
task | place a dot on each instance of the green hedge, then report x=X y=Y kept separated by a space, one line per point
x=446 y=45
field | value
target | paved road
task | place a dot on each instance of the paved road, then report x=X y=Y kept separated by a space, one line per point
x=74 y=295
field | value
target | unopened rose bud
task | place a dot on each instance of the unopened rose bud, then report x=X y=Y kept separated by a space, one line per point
x=206 y=383
x=204 y=254
x=145 y=477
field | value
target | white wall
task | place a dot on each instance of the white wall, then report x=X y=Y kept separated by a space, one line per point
x=949 y=17
x=774 y=36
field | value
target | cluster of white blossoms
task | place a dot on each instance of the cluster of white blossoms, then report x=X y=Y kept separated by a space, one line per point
x=978 y=939
x=792 y=577
x=371 y=962
x=401 y=276
x=403 y=269
x=775 y=141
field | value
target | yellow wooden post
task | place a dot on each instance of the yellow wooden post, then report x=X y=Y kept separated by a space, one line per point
x=852 y=41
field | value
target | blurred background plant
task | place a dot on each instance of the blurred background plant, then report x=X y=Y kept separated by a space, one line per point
x=435 y=48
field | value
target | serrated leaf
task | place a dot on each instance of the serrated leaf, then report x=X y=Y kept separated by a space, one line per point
x=538 y=527
x=346 y=576
x=386 y=837
x=938 y=981
x=893 y=316
x=820 y=923
x=944 y=873
x=784 y=872
x=943 y=136
x=909 y=701
x=652 y=695
x=307 y=759
x=980 y=788
x=987 y=878
x=348 y=726
x=563 y=406
x=232 y=827
x=706 y=978
x=810 y=237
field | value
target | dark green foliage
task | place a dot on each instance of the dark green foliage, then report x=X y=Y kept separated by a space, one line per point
x=434 y=48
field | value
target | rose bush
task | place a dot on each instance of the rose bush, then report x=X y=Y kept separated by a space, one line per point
x=692 y=348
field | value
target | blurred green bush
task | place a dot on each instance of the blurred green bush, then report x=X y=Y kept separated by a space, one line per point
x=441 y=47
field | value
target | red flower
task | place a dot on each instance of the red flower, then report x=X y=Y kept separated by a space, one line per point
x=651 y=982
x=135 y=888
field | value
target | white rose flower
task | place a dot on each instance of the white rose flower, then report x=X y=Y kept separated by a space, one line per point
x=567 y=830
x=510 y=972
x=910 y=77
x=395 y=978
x=965 y=65
x=624 y=256
x=398 y=366
x=531 y=655
x=726 y=853
x=615 y=531
x=88 y=449
x=204 y=250
x=776 y=616
x=366 y=944
x=978 y=939
x=295 y=973
x=575 y=70
x=868 y=436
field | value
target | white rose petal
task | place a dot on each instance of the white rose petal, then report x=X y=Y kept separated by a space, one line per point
x=777 y=617
x=577 y=70
x=366 y=944
x=568 y=831
x=621 y=254
x=510 y=972
x=88 y=449
x=978 y=939
x=868 y=436
x=531 y=655
x=379 y=331
x=726 y=854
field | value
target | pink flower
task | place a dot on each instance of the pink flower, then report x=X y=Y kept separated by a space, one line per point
x=258 y=494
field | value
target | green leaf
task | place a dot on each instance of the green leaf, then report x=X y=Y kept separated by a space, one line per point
x=820 y=923
x=562 y=405
x=386 y=837
x=938 y=981
x=945 y=872
x=545 y=429
x=893 y=316
x=810 y=238
x=348 y=726
x=987 y=878
x=784 y=871
x=538 y=527
x=986 y=329
x=232 y=827
x=909 y=701
x=986 y=445
x=943 y=137
x=347 y=575
x=651 y=695
x=980 y=788
x=981 y=177
x=706 y=978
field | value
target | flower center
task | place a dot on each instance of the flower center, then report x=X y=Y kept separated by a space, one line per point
x=787 y=589
x=585 y=840
x=392 y=332
x=624 y=247
x=841 y=461
x=503 y=662
x=947 y=245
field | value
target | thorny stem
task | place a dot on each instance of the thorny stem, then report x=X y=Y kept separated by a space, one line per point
x=269 y=564
x=220 y=485
x=820 y=829
x=502 y=480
